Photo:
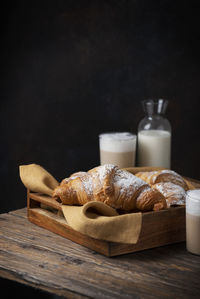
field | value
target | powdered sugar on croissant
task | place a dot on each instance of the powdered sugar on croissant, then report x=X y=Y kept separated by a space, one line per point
x=174 y=194
x=165 y=175
x=111 y=185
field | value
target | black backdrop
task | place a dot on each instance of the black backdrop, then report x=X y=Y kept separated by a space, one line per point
x=74 y=69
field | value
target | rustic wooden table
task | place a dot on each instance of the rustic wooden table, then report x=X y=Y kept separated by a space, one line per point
x=39 y=258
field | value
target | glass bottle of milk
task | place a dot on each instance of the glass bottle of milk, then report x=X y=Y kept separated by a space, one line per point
x=154 y=135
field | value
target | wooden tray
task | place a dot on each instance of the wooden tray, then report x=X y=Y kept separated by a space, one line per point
x=158 y=228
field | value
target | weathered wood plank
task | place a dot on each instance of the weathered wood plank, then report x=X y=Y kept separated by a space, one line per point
x=61 y=292
x=68 y=273
x=59 y=247
x=40 y=258
x=20 y=213
x=28 y=271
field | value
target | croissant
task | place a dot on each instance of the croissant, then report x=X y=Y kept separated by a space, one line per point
x=115 y=187
x=174 y=194
x=154 y=177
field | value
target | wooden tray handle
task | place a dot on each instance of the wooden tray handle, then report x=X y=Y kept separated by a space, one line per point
x=43 y=199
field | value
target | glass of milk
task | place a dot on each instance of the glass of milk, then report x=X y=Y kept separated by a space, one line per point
x=154 y=135
x=193 y=221
x=117 y=148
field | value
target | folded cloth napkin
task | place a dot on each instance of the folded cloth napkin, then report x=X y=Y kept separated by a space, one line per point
x=37 y=179
x=94 y=219
x=99 y=221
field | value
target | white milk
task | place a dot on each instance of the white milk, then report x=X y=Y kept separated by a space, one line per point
x=193 y=221
x=154 y=148
x=118 y=149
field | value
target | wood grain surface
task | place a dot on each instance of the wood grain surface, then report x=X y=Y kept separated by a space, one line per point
x=37 y=257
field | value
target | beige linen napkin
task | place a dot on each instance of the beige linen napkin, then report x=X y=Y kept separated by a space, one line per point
x=94 y=219
x=100 y=221
x=37 y=179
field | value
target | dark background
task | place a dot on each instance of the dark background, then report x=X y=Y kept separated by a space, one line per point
x=74 y=69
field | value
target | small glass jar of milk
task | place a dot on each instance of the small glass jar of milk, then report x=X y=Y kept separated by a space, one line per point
x=154 y=135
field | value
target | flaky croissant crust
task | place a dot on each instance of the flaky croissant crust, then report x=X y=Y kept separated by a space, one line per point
x=115 y=187
x=164 y=175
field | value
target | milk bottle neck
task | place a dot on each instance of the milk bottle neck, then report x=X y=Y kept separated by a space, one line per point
x=150 y=117
x=155 y=116
x=152 y=108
